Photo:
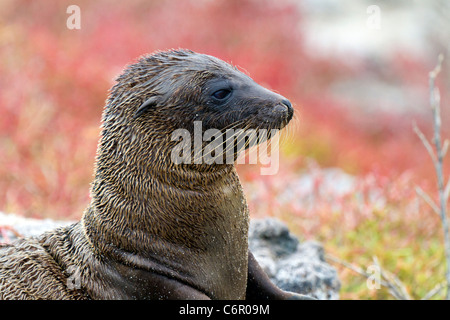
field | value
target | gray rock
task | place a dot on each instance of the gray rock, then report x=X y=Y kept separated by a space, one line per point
x=291 y=265
x=14 y=225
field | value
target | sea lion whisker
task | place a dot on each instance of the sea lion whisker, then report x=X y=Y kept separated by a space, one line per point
x=224 y=132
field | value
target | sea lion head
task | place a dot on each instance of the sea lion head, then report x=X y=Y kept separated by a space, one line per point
x=212 y=91
x=201 y=87
x=171 y=90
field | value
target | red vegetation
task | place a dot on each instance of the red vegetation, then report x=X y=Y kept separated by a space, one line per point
x=54 y=83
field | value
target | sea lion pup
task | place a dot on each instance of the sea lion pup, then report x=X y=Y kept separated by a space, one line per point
x=156 y=229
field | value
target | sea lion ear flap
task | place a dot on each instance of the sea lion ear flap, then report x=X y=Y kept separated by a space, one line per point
x=150 y=103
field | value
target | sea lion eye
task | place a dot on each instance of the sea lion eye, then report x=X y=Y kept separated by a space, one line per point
x=221 y=94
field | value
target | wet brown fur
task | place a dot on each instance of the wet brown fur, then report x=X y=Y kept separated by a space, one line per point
x=153 y=229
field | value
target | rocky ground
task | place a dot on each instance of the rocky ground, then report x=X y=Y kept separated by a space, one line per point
x=292 y=265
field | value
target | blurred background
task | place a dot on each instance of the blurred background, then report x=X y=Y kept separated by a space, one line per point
x=356 y=71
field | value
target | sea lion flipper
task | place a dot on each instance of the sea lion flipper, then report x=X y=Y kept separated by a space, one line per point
x=259 y=285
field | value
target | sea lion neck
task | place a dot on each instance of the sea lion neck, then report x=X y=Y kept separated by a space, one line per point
x=154 y=197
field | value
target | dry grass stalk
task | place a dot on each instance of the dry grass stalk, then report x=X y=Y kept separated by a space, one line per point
x=437 y=155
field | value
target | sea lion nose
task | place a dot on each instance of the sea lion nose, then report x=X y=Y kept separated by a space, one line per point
x=287 y=103
x=285 y=107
